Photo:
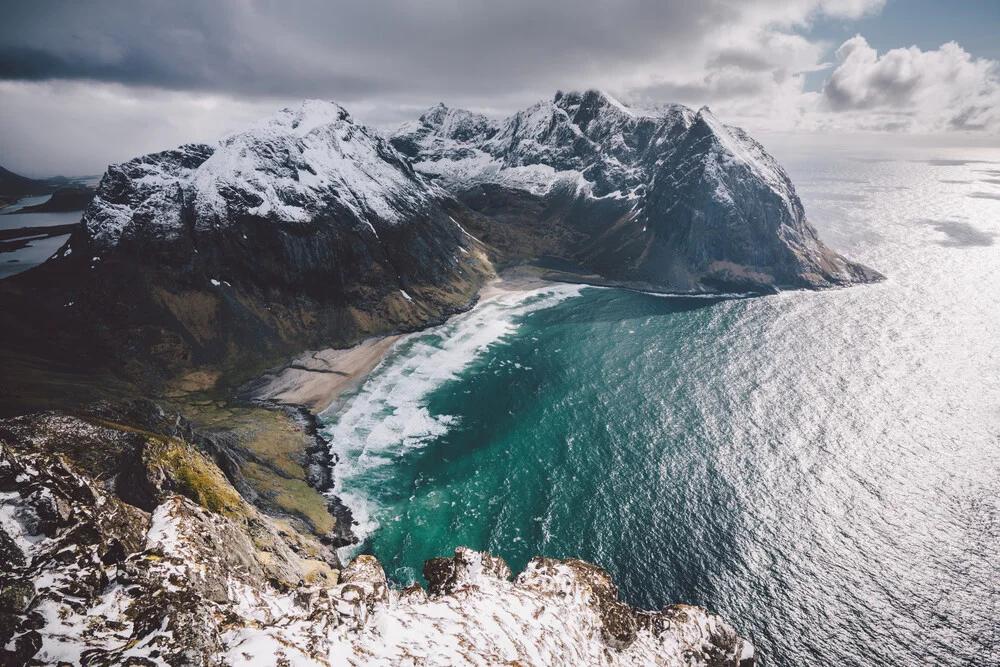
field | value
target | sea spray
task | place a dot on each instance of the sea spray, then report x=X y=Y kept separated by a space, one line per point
x=370 y=428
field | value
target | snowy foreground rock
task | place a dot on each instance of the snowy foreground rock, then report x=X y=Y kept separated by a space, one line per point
x=125 y=547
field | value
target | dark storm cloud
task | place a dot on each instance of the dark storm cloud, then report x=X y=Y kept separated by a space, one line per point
x=180 y=45
x=88 y=82
x=348 y=49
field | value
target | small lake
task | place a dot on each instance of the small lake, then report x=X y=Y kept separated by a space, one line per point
x=38 y=251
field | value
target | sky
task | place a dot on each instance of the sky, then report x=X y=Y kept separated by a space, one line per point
x=86 y=83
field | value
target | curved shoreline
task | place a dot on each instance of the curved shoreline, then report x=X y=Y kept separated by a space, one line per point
x=314 y=380
x=311 y=383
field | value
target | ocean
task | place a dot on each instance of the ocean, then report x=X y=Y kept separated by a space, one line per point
x=820 y=468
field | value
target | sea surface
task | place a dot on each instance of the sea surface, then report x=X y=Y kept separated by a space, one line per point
x=820 y=468
x=39 y=249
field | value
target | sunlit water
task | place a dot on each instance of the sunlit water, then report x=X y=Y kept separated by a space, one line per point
x=823 y=469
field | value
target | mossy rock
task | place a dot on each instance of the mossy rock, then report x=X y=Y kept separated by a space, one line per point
x=180 y=468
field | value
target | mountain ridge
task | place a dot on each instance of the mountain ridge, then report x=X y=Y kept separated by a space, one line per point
x=301 y=231
x=667 y=199
x=307 y=230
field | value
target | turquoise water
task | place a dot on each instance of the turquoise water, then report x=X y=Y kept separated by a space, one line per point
x=823 y=469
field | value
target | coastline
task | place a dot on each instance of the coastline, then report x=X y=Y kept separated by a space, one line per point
x=306 y=386
x=314 y=380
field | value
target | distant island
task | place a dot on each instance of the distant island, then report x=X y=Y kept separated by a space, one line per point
x=63 y=199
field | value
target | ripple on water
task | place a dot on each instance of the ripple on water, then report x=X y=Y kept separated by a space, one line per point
x=820 y=468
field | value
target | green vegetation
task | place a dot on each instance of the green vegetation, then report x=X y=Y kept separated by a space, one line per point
x=274 y=440
x=197 y=478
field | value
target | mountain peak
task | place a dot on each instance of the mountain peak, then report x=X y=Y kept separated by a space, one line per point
x=307 y=216
x=302 y=119
x=592 y=98
x=435 y=115
x=303 y=161
x=674 y=188
x=733 y=146
x=457 y=124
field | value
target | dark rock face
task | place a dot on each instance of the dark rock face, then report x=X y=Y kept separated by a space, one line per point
x=304 y=230
x=445 y=576
x=667 y=199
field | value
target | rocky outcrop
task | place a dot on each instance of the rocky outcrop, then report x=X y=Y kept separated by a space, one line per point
x=664 y=199
x=122 y=546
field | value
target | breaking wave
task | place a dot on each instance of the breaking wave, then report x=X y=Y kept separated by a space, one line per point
x=371 y=428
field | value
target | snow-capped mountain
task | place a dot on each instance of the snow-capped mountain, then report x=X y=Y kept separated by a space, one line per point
x=299 y=165
x=305 y=227
x=668 y=198
x=309 y=229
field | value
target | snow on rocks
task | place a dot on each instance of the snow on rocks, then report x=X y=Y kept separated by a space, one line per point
x=300 y=163
x=582 y=138
x=716 y=212
x=303 y=159
x=554 y=613
x=144 y=195
x=590 y=136
x=89 y=579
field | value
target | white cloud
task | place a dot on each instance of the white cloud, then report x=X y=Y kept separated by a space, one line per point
x=918 y=90
x=92 y=87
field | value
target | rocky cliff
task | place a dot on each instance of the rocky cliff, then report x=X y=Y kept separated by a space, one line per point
x=304 y=230
x=667 y=199
x=309 y=230
x=123 y=542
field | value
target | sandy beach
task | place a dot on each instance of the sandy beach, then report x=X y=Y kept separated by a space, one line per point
x=315 y=380
x=515 y=279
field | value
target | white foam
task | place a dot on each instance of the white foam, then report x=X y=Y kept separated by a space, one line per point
x=388 y=416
